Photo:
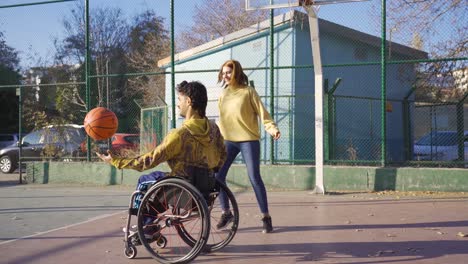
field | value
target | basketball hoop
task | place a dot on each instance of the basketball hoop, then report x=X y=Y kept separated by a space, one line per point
x=326 y=2
x=312 y=8
x=306 y=2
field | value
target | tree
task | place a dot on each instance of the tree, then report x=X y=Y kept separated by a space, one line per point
x=116 y=47
x=8 y=55
x=432 y=18
x=440 y=28
x=9 y=75
x=217 y=18
x=108 y=46
x=148 y=42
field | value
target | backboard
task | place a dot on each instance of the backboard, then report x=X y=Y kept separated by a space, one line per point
x=270 y=4
x=273 y=4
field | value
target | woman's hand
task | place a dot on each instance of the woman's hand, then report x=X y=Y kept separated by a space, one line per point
x=106 y=158
x=276 y=135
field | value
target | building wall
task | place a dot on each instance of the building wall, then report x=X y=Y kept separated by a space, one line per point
x=358 y=120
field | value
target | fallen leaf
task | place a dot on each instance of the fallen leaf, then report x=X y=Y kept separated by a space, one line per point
x=461 y=234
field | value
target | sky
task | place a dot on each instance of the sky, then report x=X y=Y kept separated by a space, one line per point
x=31 y=29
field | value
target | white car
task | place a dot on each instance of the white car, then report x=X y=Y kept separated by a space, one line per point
x=439 y=145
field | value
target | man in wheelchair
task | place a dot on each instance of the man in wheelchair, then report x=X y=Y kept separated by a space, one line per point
x=198 y=143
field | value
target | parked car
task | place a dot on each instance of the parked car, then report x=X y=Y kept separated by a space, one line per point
x=8 y=139
x=52 y=142
x=439 y=145
x=121 y=144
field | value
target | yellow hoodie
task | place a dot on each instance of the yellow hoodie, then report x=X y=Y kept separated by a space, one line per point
x=197 y=143
x=240 y=108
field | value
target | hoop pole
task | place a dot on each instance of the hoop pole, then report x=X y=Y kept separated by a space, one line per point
x=318 y=76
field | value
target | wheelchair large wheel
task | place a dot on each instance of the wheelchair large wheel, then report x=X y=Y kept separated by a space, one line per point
x=218 y=238
x=170 y=205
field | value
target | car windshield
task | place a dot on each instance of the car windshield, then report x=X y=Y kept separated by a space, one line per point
x=443 y=138
x=133 y=139
x=32 y=138
x=54 y=135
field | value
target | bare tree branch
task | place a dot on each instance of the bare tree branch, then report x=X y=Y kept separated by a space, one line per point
x=217 y=18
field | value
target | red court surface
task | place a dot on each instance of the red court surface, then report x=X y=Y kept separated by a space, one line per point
x=337 y=228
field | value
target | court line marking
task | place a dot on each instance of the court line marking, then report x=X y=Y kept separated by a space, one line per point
x=63 y=227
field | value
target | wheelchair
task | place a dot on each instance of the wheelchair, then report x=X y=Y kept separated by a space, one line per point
x=174 y=218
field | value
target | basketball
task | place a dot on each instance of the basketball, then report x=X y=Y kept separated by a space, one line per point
x=101 y=123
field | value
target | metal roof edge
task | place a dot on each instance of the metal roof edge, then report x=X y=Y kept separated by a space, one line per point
x=222 y=41
x=292 y=17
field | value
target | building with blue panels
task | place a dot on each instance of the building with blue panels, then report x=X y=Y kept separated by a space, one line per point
x=353 y=124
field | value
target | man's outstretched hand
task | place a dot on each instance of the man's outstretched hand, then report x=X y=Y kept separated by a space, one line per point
x=106 y=158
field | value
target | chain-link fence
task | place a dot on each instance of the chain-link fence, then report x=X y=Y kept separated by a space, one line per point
x=402 y=101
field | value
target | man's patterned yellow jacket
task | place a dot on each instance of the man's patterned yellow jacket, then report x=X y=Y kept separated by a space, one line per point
x=197 y=143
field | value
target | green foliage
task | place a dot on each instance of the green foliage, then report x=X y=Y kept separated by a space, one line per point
x=8 y=75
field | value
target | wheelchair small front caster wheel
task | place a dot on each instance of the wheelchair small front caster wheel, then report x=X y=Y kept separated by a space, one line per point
x=161 y=242
x=130 y=252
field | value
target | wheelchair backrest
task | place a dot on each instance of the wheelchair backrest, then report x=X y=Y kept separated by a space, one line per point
x=203 y=179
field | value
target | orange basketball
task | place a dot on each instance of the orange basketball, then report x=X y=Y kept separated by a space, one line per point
x=101 y=123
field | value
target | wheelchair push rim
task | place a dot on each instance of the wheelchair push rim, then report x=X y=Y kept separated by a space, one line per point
x=218 y=238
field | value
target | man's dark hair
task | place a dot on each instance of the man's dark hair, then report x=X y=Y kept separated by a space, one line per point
x=196 y=91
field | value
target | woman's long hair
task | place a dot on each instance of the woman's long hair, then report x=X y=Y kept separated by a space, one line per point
x=238 y=77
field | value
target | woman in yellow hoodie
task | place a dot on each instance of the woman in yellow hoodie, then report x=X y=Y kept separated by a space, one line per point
x=240 y=108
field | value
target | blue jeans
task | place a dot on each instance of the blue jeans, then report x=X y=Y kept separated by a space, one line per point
x=144 y=182
x=251 y=154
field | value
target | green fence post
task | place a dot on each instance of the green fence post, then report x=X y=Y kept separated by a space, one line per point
x=460 y=129
x=87 y=74
x=19 y=92
x=172 y=67
x=326 y=125
x=272 y=80
x=331 y=122
x=383 y=72
x=407 y=125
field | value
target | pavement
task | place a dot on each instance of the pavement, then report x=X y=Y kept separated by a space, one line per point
x=82 y=224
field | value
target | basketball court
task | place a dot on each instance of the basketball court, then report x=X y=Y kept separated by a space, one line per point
x=44 y=224
x=76 y=224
